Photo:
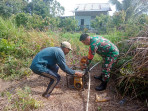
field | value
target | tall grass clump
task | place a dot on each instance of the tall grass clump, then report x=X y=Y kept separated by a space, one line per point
x=18 y=47
x=8 y=30
x=115 y=37
x=11 y=41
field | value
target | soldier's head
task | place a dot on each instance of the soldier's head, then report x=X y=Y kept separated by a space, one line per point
x=85 y=39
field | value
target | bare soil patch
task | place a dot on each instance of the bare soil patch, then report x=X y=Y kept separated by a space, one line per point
x=65 y=99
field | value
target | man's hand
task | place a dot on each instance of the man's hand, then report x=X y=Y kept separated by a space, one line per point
x=83 y=62
x=83 y=66
x=84 y=59
x=79 y=74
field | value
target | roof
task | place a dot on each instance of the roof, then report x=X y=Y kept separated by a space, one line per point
x=93 y=7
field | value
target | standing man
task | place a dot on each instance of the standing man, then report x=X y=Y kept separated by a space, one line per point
x=104 y=48
x=46 y=64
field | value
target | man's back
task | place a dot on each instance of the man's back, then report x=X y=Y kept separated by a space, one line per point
x=102 y=46
x=46 y=58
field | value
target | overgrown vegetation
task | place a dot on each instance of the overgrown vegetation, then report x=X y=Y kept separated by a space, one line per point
x=132 y=67
x=27 y=28
x=18 y=47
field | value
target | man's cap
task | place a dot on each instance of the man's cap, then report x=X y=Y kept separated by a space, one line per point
x=66 y=44
x=83 y=37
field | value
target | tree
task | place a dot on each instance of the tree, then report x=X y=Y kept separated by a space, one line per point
x=4 y=10
x=45 y=8
x=54 y=22
x=37 y=7
x=133 y=8
x=9 y=7
x=118 y=18
x=100 y=23
x=55 y=8
x=21 y=19
x=68 y=24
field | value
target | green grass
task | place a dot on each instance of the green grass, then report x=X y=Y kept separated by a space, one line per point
x=18 y=47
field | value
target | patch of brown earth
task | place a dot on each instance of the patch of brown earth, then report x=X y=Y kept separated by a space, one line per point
x=65 y=99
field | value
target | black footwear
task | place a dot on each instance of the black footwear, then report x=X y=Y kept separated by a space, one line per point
x=101 y=87
x=45 y=95
x=98 y=77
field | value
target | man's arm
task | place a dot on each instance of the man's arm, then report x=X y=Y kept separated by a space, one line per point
x=91 y=53
x=62 y=63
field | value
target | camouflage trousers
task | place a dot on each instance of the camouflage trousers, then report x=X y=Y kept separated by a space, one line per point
x=107 y=65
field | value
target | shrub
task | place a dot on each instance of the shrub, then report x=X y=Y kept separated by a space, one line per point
x=21 y=19
x=68 y=24
x=100 y=23
x=6 y=47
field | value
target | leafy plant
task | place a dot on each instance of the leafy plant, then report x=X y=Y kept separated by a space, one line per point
x=133 y=8
x=100 y=23
x=6 y=47
x=68 y=24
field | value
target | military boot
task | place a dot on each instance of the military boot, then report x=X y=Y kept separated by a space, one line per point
x=102 y=86
x=98 y=77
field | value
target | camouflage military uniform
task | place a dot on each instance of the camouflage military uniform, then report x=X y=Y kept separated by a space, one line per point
x=107 y=50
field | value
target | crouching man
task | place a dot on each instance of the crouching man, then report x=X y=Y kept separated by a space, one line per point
x=47 y=62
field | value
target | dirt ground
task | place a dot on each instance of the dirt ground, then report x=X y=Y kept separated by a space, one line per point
x=66 y=99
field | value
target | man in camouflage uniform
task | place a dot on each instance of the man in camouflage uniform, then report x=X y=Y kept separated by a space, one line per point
x=104 y=48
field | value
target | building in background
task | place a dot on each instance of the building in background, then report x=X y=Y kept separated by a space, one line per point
x=85 y=13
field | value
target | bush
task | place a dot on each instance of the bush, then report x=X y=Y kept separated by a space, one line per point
x=21 y=19
x=68 y=24
x=17 y=47
x=6 y=47
x=101 y=23
x=35 y=22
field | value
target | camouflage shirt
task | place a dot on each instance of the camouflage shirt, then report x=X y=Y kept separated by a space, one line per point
x=102 y=46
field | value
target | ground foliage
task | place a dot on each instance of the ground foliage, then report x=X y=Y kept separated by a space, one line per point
x=132 y=67
x=24 y=34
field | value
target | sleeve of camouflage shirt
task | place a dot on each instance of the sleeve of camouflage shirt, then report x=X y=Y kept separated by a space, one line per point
x=92 y=50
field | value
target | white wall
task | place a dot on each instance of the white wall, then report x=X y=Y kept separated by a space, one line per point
x=87 y=20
